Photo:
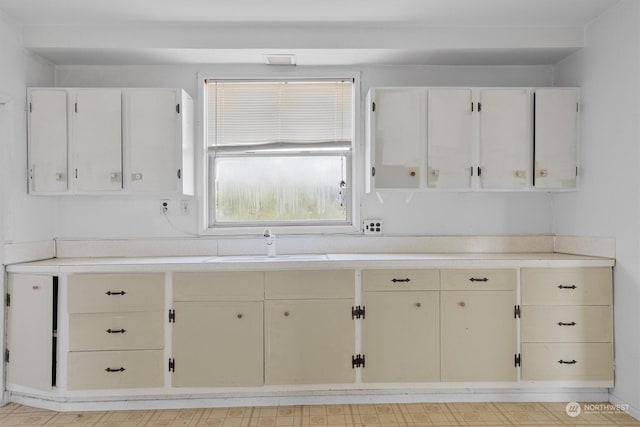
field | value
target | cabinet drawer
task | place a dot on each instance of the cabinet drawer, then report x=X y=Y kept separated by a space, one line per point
x=107 y=293
x=568 y=362
x=115 y=369
x=477 y=279
x=566 y=286
x=116 y=331
x=567 y=324
x=220 y=286
x=401 y=280
x=309 y=284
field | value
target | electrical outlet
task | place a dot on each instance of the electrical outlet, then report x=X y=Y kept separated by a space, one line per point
x=372 y=227
x=164 y=206
x=184 y=207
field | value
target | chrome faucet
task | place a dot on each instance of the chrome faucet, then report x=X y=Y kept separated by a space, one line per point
x=270 y=241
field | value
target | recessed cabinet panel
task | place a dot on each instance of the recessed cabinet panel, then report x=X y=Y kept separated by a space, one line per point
x=97 y=140
x=48 y=133
x=151 y=132
x=478 y=335
x=556 y=123
x=309 y=341
x=218 y=344
x=449 y=138
x=30 y=331
x=505 y=138
x=401 y=337
x=400 y=131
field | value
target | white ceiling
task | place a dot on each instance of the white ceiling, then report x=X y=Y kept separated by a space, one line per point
x=325 y=32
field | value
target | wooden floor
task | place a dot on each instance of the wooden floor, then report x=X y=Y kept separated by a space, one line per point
x=387 y=415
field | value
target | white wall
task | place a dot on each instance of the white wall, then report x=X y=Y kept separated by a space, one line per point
x=25 y=218
x=446 y=213
x=608 y=204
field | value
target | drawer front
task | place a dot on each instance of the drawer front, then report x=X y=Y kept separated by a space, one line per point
x=109 y=293
x=567 y=324
x=309 y=284
x=567 y=362
x=478 y=279
x=401 y=280
x=115 y=369
x=116 y=331
x=566 y=286
x=219 y=286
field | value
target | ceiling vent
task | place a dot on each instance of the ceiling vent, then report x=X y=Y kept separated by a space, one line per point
x=280 y=59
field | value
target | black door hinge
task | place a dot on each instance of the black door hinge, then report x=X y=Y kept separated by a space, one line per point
x=471 y=170
x=75 y=107
x=6 y=355
x=373 y=171
x=479 y=171
x=516 y=311
x=577 y=107
x=172 y=316
x=479 y=107
x=357 y=312
x=7 y=300
x=30 y=108
x=172 y=365
x=576 y=171
x=472 y=107
x=357 y=361
x=178 y=108
x=517 y=360
x=373 y=106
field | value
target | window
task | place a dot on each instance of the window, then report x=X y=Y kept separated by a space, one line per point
x=279 y=152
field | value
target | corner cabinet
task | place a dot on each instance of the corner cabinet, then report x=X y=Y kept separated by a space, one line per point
x=110 y=141
x=470 y=139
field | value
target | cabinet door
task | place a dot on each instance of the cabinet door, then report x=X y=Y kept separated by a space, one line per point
x=556 y=117
x=97 y=140
x=218 y=344
x=30 y=331
x=48 y=141
x=309 y=341
x=401 y=337
x=505 y=138
x=478 y=336
x=151 y=140
x=400 y=131
x=449 y=138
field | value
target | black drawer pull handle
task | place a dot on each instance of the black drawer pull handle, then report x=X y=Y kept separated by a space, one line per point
x=401 y=280
x=567 y=287
x=121 y=369
x=115 y=331
x=115 y=293
x=567 y=362
x=566 y=324
x=476 y=279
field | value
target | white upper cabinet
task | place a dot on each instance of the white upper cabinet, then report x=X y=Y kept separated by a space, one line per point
x=97 y=140
x=118 y=141
x=470 y=139
x=449 y=138
x=400 y=129
x=505 y=138
x=556 y=116
x=48 y=125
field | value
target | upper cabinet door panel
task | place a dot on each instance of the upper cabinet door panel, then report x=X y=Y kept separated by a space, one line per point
x=48 y=141
x=505 y=138
x=400 y=131
x=97 y=140
x=556 y=117
x=151 y=135
x=449 y=138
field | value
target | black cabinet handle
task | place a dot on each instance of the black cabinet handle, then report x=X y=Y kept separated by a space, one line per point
x=121 y=369
x=567 y=362
x=115 y=293
x=478 y=279
x=567 y=286
x=115 y=331
x=401 y=280
x=566 y=324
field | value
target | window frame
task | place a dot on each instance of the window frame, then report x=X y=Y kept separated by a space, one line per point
x=353 y=166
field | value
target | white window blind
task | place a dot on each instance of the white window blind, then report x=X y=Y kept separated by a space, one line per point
x=268 y=112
